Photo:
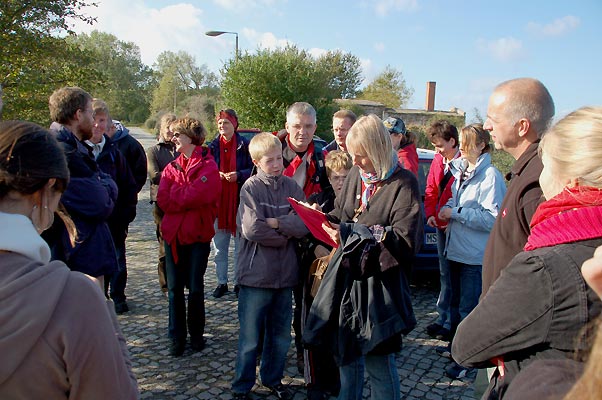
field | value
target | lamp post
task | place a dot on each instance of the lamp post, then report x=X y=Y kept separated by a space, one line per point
x=217 y=33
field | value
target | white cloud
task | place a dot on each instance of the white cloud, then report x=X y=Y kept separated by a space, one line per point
x=243 y=5
x=265 y=40
x=154 y=30
x=368 y=71
x=379 y=47
x=317 y=52
x=557 y=27
x=503 y=49
x=385 y=7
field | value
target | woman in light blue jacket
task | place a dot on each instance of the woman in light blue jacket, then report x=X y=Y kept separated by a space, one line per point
x=477 y=194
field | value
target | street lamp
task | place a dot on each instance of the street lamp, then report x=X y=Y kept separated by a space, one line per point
x=217 y=33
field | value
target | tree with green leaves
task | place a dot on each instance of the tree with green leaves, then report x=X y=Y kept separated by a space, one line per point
x=183 y=85
x=344 y=71
x=388 y=88
x=126 y=81
x=261 y=86
x=34 y=60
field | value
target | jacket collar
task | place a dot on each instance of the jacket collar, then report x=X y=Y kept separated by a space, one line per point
x=66 y=136
x=483 y=162
x=270 y=180
x=523 y=160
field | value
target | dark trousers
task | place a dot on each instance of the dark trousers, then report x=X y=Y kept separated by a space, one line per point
x=115 y=283
x=119 y=278
x=158 y=217
x=188 y=272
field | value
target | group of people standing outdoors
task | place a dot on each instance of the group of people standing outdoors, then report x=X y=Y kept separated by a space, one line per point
x=513 y=300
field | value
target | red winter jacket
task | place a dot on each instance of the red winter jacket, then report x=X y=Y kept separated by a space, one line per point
x=188 y=193
x=408 y=158
x=431 y=193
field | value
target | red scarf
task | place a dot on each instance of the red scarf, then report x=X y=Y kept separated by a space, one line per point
x=226 y=214
x=573 y=215
x=310 y=187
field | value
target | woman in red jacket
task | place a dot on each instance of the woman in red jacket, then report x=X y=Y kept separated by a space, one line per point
x=188 y=194
x=444 y=137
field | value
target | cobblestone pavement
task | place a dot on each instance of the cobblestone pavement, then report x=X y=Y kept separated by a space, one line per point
x=207 y=375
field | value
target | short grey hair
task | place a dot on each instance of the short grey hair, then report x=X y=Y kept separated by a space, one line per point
x=301 y=108
x=528 y=98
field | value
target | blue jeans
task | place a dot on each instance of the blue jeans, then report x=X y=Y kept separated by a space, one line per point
x=466 y=284
x=444 y=299
x=384 y=379
x=221 y=243
x=189 y=272
x=268 y=310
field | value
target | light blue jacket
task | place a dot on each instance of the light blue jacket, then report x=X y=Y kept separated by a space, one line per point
x=475 y=203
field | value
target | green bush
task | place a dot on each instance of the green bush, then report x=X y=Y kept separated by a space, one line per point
x=150 y=123
x=502 y=161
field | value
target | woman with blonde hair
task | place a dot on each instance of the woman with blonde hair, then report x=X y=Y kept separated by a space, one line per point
x=364 y=305
x=539 y=306
x=59 y=336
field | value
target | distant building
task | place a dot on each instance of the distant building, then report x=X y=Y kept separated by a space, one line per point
x=411 y=117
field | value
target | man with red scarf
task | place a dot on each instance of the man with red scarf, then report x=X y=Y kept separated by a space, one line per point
x=304 y=162
x=231 y=153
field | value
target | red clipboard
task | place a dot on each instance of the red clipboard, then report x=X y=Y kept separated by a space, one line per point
x=313 y=219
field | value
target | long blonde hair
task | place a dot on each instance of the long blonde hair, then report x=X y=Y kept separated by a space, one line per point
x=574 y=146
x=369 y=134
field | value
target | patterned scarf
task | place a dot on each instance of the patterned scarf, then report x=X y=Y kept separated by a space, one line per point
x=371 y=180
x=571 y=216
x=226 y=215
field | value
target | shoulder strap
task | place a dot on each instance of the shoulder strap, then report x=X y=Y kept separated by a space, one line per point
x=320 y=173
x=443 y=183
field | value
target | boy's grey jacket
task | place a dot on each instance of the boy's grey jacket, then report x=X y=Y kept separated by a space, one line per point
x=267 y=257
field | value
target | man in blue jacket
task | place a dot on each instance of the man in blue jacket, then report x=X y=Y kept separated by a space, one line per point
x=111 y=161
x=90 y=195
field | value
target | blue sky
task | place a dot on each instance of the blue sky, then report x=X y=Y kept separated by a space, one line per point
x=467 y=47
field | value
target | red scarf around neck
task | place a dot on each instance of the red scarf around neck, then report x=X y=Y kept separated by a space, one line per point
x=226 y=214
x=310 y=187
x=573 y=215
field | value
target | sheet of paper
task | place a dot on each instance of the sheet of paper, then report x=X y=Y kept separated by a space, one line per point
x=313 y=219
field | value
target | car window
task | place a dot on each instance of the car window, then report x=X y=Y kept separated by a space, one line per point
x=424 y=165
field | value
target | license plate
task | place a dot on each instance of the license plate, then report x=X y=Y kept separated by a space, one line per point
x=431 y=238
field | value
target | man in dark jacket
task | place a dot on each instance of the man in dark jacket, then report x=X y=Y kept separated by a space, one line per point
x=132 y=150
x=342 y=121
x=112 y=162
x=519 y=112
x=304 y=162
x=134 y=155
x=90 y=195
